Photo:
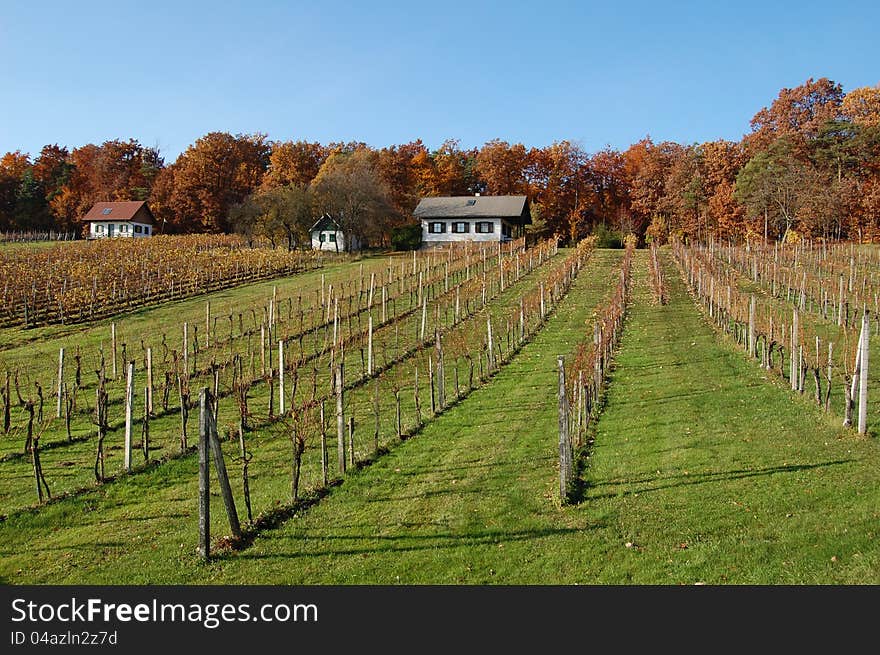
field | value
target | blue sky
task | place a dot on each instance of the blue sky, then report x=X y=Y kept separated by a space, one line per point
x=599 y=73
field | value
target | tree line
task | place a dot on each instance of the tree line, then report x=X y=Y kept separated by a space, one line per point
x=810 y=166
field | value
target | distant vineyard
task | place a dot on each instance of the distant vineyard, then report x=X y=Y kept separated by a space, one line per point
x=82 y=281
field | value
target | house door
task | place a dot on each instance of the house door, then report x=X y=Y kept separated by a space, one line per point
x=111 y=230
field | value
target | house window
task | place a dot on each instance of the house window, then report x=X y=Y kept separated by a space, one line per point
x=146 y=229
x=107 y=211
x=332 y=237
x=485 y=227
x=461 y=227
x=437 y=228
x=137 y=229
x=322 y=237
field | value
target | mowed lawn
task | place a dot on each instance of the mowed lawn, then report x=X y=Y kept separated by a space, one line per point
x=712 y=471
x=703 y=469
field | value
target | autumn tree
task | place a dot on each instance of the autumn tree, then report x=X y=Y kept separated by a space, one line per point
x=214 y=174
x=293 y=162
x=797 y=113
x=646 y=165
x=607 y=176
x=452 y=171
x=562 y=193
x=862 y=106
x=285 y=213
x=685 y=197
x=501 y=168
x=401 y=169
x=349 y=188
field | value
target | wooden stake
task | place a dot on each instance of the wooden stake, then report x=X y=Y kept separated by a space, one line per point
x=145 y=429
x=490 y=353
x=752 y=326
x=376 y=414
x=863 y=383
x=324 y=463
x=351 y=461
x=370 y=345
x=564 y=447
x=113 y=341
x=60 y=381
x=129 y=403
x=185 y=348
x=340 y=419
x=149 y=387
x=204 y=478
x=281 y=376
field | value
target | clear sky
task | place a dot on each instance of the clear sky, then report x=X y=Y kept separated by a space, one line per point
x=599 y=73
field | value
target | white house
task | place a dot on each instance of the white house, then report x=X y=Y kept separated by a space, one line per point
x=120 y=219
x=327 y=235
x=472 y=218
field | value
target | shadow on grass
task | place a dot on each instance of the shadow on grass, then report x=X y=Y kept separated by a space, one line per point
x=399 y=543
x=703 y=478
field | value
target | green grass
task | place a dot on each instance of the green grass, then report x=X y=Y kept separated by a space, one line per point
x=703 y=469
x=68 y=466
x=143 y=528
x=715 y=473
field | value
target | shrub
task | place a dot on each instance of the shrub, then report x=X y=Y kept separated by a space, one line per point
x=606 y=237
x=406 y=237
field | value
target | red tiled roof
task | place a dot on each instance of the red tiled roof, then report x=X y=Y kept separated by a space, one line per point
x=119 y=211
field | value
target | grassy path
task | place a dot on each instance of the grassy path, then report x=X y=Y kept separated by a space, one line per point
x=712 y=473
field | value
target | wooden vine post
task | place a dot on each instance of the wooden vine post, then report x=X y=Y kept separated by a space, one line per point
x=129 y=406
x=340 y=418
x=209 y=440
x=324 y=474
x=490 y=352
x=565 y=459
x=145 y=427
x=113 y=344
x=863 y=373
x=149 y=380
x=370 y=339
x=60 y=382
x=752 y=326
x=204 y=480
x=281 y=376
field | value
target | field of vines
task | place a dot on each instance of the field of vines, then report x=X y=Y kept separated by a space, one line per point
x=801 y=312
x=86 y=280
x=664 y=387
x=407 y=337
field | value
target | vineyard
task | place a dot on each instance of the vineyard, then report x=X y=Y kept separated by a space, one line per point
x=86 y=280
x=436 y=415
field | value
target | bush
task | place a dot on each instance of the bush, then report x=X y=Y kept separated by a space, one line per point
x=406 y=237
x=606 y=237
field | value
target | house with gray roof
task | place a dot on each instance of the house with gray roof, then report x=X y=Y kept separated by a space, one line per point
x=454 y=219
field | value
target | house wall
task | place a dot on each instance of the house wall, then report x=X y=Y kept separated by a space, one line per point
x=119 y=231
x=330 y=246
x=449 y=236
